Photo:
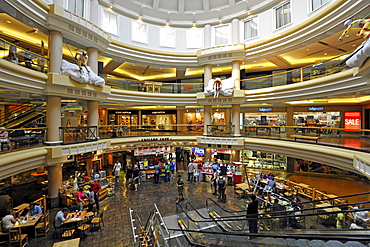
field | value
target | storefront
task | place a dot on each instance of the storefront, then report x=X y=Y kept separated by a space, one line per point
x=270 y=160
x=195 y=119
x=265 y=116
x=317 y=116
x=218 y=118
x=159 y=120
x=123 y=117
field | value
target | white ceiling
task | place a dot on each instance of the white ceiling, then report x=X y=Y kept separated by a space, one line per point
x=185 y=12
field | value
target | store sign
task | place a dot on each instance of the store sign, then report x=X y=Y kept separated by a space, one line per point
x=158 y=112
x=198 y=151
x=123 y=112
x=352 y=121
x=265 y=109
x=199 y=110
x=312 y=108
x=222 y=151
x=84 y=156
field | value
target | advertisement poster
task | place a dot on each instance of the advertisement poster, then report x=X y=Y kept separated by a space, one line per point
x=352 y=121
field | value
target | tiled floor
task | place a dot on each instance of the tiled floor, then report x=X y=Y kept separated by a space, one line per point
x=117 y=229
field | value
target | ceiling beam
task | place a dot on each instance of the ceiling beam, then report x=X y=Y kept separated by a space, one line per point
x=181 y=6
x=280 y=62
x=205 y=6
x=111 y=66
x=156 y=4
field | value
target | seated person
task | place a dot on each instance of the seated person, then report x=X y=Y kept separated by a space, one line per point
x=61 y=217
x=356 y=225
x=8 y=220
x=361 y=215
x=35 y=209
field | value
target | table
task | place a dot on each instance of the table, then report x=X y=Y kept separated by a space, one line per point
x=74 y=219
x=322 y=206
x=68 y=243
x=32 y=221
x=244 y=187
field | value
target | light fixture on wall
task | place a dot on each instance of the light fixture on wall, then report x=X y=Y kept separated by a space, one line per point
x=219 y=17
x=140 y=17
x=247 y=7
x=193 y=23
x=111 y=4
x=168 y=18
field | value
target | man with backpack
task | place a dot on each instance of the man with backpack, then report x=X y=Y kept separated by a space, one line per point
x=221 y=189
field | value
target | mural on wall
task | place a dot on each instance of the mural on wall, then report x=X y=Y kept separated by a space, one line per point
x=359 y=56
x=80 y=75
x=218 y=86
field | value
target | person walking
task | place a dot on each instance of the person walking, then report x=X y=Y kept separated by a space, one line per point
x=221 y=189
x=214 y=181
x=91 y=197
x=167 y=171
x=117 y=169
x=180 y=189
x=157 y=172
x=136 y=177
x=191 y=169
x=252 y=214
x=96 y=187
x=172 y=168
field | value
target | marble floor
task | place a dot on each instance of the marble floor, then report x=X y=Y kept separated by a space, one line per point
x=117 y=228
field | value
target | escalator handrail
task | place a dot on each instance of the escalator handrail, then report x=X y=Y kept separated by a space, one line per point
x=161 y=219
x=218 y=205
x=188 y=203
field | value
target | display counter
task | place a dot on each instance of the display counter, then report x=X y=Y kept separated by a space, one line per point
x=67 y=192
x=149 y=173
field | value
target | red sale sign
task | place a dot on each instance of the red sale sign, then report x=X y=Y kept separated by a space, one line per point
x=352 y=121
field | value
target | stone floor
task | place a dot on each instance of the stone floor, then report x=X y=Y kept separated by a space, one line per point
x=117 y=228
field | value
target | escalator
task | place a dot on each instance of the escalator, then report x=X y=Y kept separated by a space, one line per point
x=148 y=227
x=234 y=228
x=23 y=115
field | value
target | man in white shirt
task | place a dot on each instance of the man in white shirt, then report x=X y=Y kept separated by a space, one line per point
x=61 y=217
x=191 y=169
x=361 y=215
x=117 y=169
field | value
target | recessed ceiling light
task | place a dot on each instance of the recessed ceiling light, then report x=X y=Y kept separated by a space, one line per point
x=9 y=22
x=325 y=54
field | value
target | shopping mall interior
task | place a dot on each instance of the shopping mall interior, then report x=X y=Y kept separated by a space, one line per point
x=241 y=98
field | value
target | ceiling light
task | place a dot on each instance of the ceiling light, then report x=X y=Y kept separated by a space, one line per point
x=9 y=22
x=325 y=54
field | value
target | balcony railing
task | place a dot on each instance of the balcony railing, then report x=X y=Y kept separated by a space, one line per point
x=25 y=58
x=70 y=135
x=339 y=137
x=220 y=130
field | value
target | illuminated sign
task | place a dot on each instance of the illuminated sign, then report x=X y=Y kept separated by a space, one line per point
x=312 y=108
x=198 y=151
x=352 y=121
x=265 y=109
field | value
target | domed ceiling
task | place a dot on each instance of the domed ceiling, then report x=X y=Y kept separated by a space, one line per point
x=189 y=12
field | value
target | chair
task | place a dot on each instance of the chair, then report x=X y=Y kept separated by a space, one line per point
x=3 y=235
x=84 y=227
x=43 y=227
x=16 y=237
x=95 y=222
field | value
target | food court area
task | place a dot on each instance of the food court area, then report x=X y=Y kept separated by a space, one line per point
x=318 y=187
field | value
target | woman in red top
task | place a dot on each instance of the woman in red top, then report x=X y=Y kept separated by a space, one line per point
x=80 y=198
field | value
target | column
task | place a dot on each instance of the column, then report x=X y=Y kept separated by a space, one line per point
x=289 y=120
x=55 y=181
x=207 y=36
x=235 y=31
x=207 y=118
x=55 y=51
x=236 y=119
x=180 y=118
x=235 y=155
x=207 y=74
x=53 y=119
x=139 y=119
x=94 y=12
x=93 y=54
x=235 y=73
x=93 y=116
x=207 y=155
